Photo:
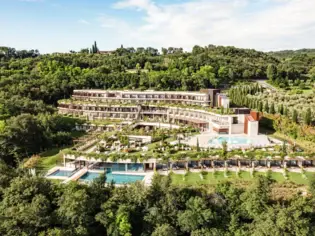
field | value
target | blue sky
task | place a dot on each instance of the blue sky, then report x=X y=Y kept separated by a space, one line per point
x=63 y=25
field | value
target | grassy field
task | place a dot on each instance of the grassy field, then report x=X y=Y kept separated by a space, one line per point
x=53 y=157
x=50 y=159
x=214 y=178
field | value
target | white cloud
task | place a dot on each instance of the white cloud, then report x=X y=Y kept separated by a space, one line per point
x=83 y=22
x=260 y=24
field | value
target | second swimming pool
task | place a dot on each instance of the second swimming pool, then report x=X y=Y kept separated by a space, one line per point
x=117 y=178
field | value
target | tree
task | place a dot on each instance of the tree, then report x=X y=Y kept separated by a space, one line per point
x=25 y=134
x=295 y=116
x=197 y=145
x=138 y=68
x=284 y=148
x=247 y=74
x=255 y=200
x=266 y=107
x=164 y=51
x=7 y=174
x=164 y=230
x=207 y=77
x=312 y=73
x=223 y=73
x=308 y=116
x=197 y=215
x=77 y=210
x=260 y=106
x=148 y=66
x=94 y=48
x=272 y=108
x=283 y=220
x=280 y=109
x=311 y=185
x=271 y=72
x=27 y=206
x=84 y=50
x=285 y=111
x=224 y=149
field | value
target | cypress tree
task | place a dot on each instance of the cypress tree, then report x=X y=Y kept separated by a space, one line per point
x=198 y=148
x=266 y=108
x=295 y=116
x=272 y=108
x=260 y=107
x=285 y=111
x=280 y=109
x=308 y=116
x=94 y=48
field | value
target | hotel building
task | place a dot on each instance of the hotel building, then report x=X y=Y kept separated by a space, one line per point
x=194 y=108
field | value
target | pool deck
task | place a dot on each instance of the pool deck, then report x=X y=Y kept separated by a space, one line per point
x=56 y=168
x=203 y=139
x=147 y=180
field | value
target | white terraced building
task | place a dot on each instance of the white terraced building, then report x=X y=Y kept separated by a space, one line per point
x=205 y=97
x=96 y=105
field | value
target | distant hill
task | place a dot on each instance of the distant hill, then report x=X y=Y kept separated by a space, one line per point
x=292 y=53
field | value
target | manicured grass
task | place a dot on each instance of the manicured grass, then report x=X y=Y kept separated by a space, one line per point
x=218 y=176
x=277 y=177
x=52 y=157
x=195 y=179
x=245 y=175
x=49 y=159
x=297 y=178
x=310 y=174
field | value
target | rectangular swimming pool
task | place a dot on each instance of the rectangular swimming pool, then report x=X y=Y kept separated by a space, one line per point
x=229 y=140
x=117 y=178
x=62 y=173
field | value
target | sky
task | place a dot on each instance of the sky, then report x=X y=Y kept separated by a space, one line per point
x=64 y=25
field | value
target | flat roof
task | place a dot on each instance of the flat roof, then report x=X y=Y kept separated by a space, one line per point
x=139 y=92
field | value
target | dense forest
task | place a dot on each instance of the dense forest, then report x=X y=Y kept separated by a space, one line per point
x=36 y=206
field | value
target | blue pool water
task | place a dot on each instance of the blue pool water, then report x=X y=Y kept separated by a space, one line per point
x=230 y=140
x=117 y=178
x=62 y=173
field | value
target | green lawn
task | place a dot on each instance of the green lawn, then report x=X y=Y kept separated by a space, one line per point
x=52 y=157
x=209 y=178
x=216 y=177
x=49 y=159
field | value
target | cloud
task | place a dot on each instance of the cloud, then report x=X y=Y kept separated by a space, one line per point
x=260 y=24
x=83 y=22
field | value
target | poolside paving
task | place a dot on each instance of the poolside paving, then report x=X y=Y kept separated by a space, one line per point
x=204 y=138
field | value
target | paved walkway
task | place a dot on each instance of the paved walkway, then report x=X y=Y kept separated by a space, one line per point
x=265 y=84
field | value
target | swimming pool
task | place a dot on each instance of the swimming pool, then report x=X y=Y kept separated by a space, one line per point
x=117 y=178
x=63 y=173
x=230 y=140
